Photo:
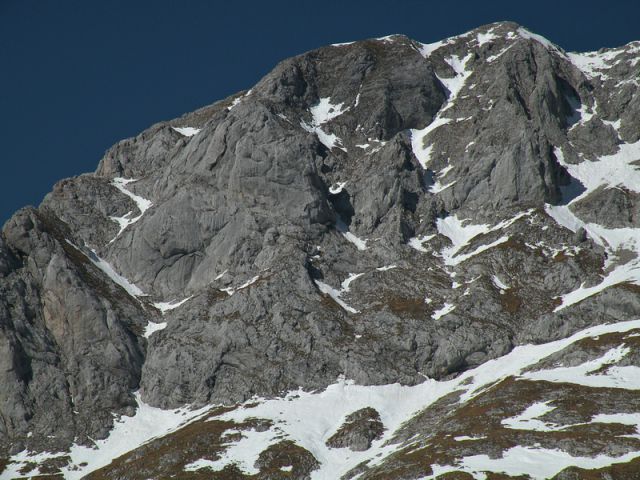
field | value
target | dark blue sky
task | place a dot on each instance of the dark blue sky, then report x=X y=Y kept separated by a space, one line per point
x=78 y=75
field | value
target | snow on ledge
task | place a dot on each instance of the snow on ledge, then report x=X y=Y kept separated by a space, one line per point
x=528 y=420
x=231 y=290
x=461 y=232
x=386 y=268
x=499 y=284
x=153 y=327
x=142 y=203
x=324 y=111
x=336 y=294
x=106 y=267
x=187 y=131
x=344 y=231
x=166 y=306
x=337 y=188
x=417 y=243
x=446 y=308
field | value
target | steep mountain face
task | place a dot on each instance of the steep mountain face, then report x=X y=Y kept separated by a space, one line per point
x=388 y=259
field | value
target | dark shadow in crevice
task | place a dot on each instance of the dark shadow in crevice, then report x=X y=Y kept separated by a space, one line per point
x=572 y=190
x=410 y=201
x=341 y=203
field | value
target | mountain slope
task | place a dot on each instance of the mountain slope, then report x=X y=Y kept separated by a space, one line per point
x=376 y=212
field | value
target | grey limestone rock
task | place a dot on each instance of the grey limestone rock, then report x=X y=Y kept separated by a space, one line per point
x=305 y=231
x=360 y=428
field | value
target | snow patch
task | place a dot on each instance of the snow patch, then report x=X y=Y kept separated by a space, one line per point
x=106 y=267
x=26 y=459
x=153 y=327
x=243 y=453
x=309 y=418
x=344 y=231
x=441 y=312
x=426 y=49
x=608 y=171
x=526 y=34
x=627 y=377
x=234 y=104
x=455 y=84
x=142 y=203
x=461 y=232
x=336 y=294
x=487 y=37
x=127 y=434
x=499 y=284
x=528 y=420
x=493 y=58
x=166 y=306
x=387 y=267
x=342 y=44
x=322 y=113
x=537 y=463
x=337 y=188
x=418 y=137
x=232 y=290
x=616 y=170
x=594 y=64
x=187 y=131
x=218 y=277
x=464 y=438
x=438 y=187
x=325 y=111
x=629 y=272
x=418 y=242
x=622 y=419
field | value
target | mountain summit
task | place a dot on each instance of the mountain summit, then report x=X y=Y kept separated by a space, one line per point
x=387 y=260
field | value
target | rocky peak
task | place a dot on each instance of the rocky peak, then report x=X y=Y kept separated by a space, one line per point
x=375 y=212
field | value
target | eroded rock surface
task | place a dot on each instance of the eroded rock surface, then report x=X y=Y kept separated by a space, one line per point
x=384 y=210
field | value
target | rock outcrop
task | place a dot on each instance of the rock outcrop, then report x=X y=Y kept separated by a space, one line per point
x=384 y=210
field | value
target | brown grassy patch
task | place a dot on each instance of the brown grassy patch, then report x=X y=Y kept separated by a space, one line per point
x=513 y=244
x=621 y=471
x=631 y=287
x=588 y=261
x=510 y=300
x=409 y=307
x=27 y=468
x=167 y=456
x=207 y=438
x=455 y=476
x=285 y=454
x=482 y=416
x=327 y=301
x=560 y=257
x=607 y=341
x=407 y=463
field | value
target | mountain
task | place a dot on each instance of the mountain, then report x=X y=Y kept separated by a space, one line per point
x=387 y=260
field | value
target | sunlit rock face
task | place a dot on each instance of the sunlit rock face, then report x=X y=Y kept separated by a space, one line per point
x=388 y=259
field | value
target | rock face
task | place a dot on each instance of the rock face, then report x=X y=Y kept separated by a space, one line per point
x=360 y=428
x=384 y=210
